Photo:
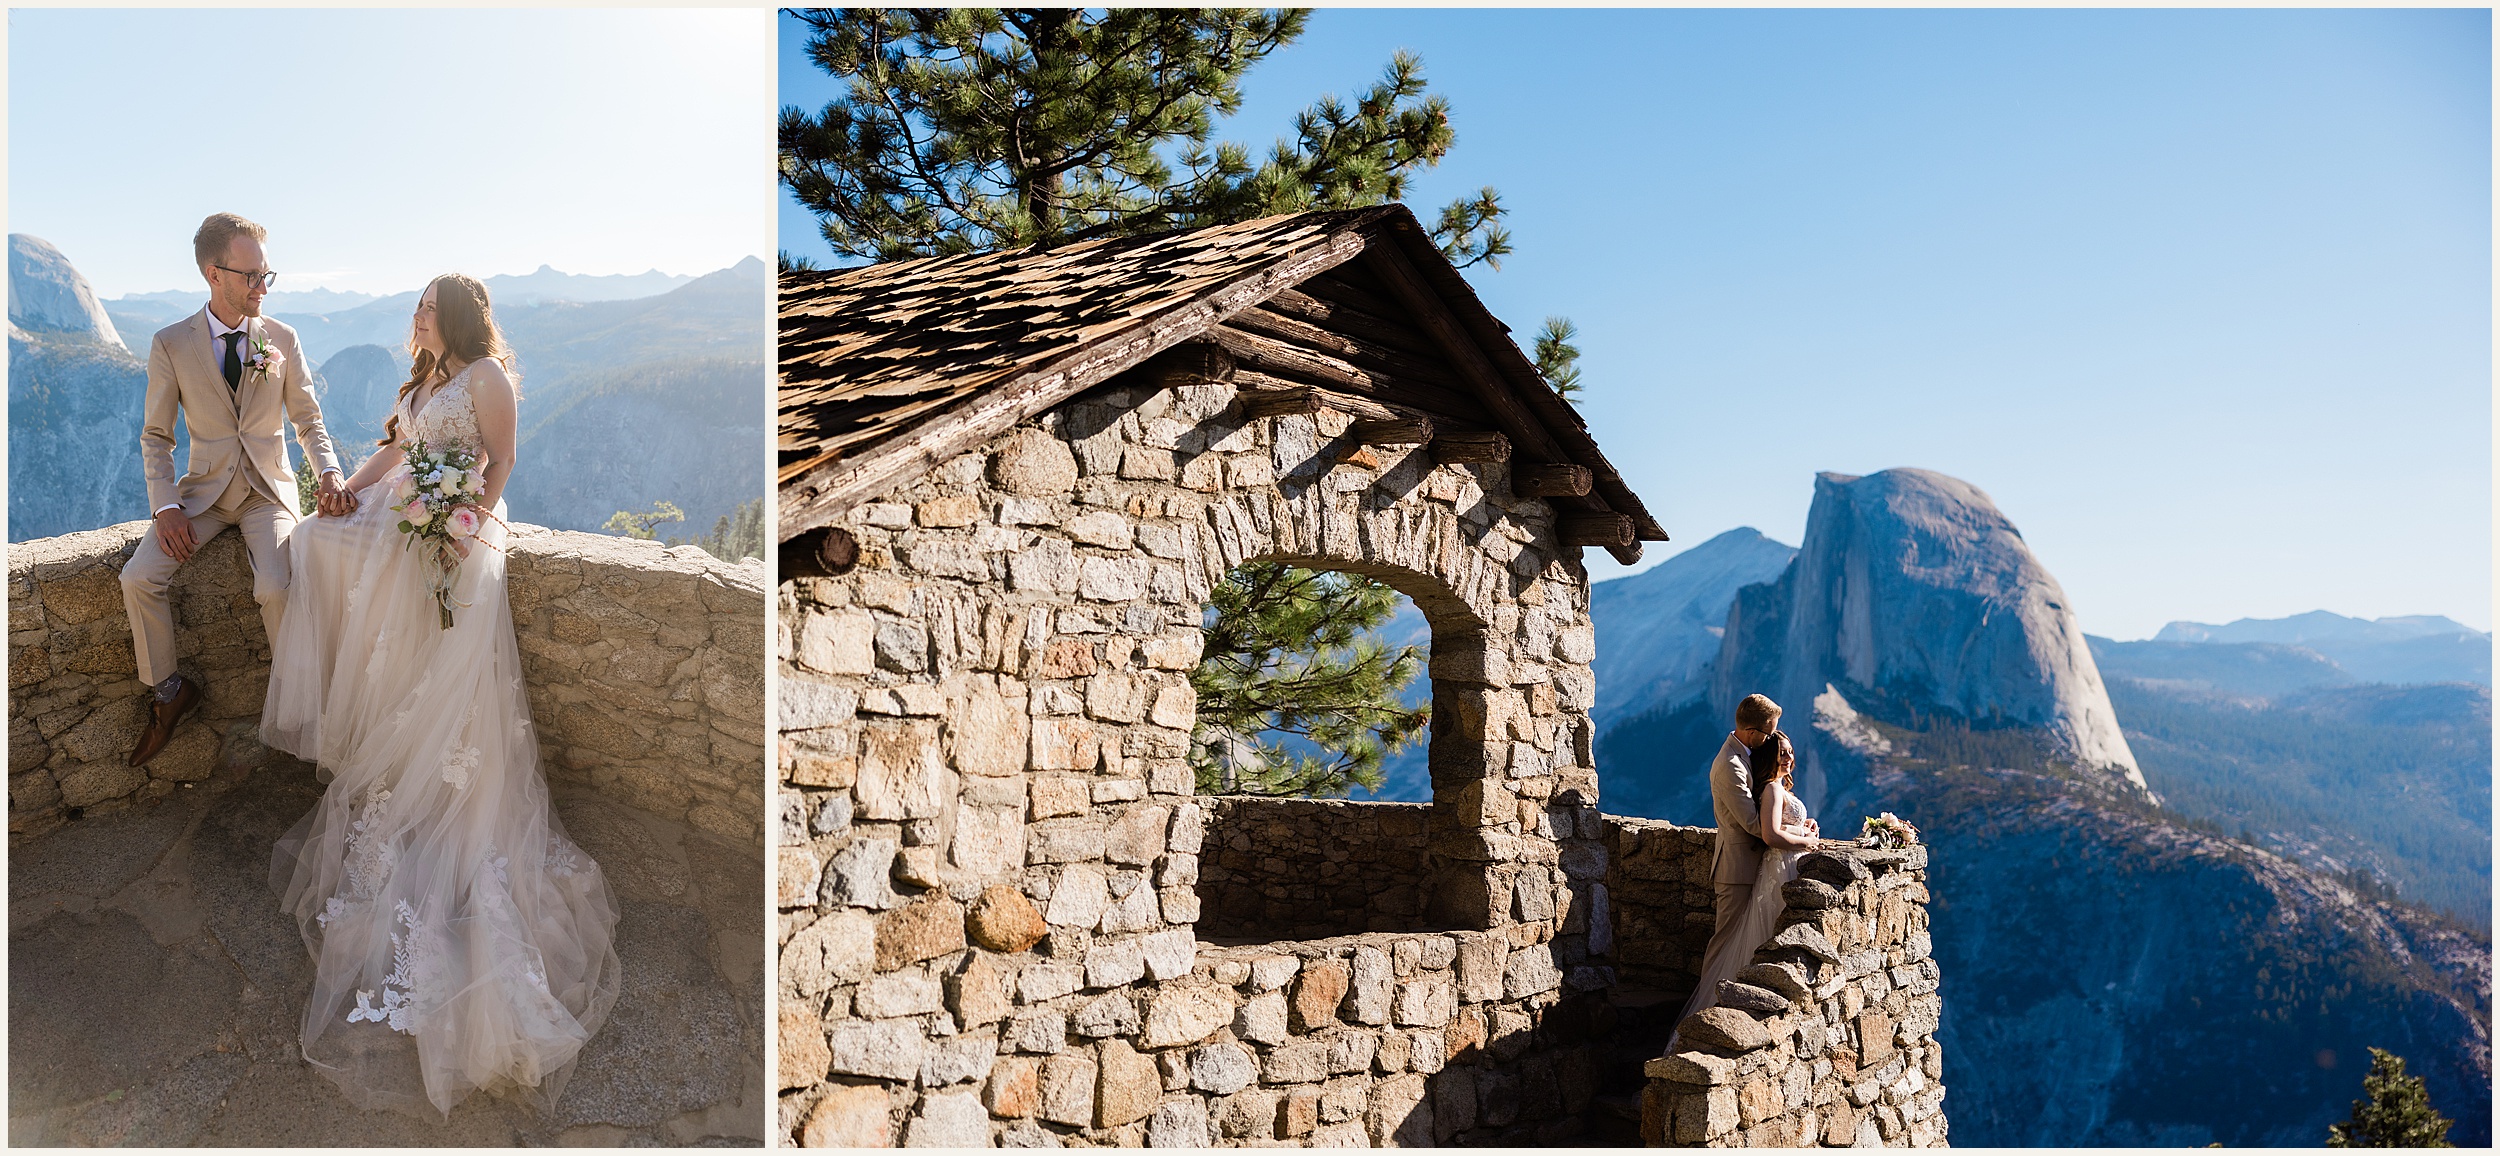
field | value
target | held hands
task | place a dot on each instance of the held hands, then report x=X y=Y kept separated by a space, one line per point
x=332 y=498
x=173 y=534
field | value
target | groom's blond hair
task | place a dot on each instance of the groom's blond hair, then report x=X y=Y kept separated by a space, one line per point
x=208 y=246
x=1757 y=712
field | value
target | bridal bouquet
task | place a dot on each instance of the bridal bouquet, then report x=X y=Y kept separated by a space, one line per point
x=1889 y=830
x=436 y=506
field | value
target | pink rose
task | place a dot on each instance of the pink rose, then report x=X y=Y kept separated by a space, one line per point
x=464 y=522
x=418 y=512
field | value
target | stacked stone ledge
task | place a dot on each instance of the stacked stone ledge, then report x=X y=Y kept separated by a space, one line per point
x=644 y=668
x=1828 y=1037
x=991 y=856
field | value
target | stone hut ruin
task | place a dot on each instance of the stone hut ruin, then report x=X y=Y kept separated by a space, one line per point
x=1009 y=483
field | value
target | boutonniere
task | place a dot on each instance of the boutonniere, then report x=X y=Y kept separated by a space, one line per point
x=265 y=358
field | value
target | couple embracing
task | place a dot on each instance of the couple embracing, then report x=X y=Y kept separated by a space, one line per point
x=1763 y=829
x=460 y=940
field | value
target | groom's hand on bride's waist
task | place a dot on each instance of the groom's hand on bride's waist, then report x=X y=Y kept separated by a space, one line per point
x=173 y=534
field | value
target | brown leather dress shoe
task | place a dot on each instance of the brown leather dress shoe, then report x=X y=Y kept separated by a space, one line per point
x=163 y=716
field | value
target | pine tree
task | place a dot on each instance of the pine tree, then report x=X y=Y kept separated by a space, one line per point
x=644 y=526
x=306 y=487
x=1557 y=358
x=972 y=129
x=1290 y=651
x=2397 y=1113
x=736 y=535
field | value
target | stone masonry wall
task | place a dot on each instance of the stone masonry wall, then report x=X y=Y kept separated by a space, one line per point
x=644 y=664
x=990 y=852
x=1311 y=868
x=1658 y=884
x=1828 y=1038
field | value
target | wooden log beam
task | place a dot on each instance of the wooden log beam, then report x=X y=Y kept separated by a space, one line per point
x=1189 y=363
x=1607 y=529
x=1412 y=430
x=1262 y=396
x=1357 y=351
x=1362 y=297
x=824 y=552
x=1253 y=351
x=1550 y=480
x=1381 y=330
x=1470 y=446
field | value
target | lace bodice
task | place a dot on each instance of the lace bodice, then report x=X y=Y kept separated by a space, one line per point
x=449 y=417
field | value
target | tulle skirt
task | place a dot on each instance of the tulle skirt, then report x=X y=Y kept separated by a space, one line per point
x=460 y=940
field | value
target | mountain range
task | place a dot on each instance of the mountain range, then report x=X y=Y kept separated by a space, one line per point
x=626 y=401
x=333 y=319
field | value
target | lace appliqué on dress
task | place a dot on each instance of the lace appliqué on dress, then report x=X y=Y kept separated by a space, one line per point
x=369 y=862
x=415 y=964
x=564 y=860
x=450 y=416
x=369 y=859
x=381 y=656
x=463 y=761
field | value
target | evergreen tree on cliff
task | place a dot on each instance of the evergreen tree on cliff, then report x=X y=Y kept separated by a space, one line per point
x=975 y=129
x=2397 y=1113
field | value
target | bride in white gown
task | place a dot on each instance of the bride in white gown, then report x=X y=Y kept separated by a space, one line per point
x=460 y=940
x=1787 y=834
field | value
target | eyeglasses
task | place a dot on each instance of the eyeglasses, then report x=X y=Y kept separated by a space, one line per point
x=265 y=278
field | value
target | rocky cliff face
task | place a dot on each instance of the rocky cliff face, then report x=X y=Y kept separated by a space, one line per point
x=74 y=393
x=2114 y=977
x=46 y=294
x=1917 y=598
x=359 y=385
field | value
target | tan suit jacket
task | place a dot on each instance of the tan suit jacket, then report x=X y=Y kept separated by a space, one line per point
x=239 y=432
x=1736 y=855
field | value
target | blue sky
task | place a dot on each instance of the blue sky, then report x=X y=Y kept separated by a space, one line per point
x=384 y=147
x=2201 y=298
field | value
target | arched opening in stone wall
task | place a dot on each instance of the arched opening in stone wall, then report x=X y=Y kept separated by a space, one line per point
x=1321 y=822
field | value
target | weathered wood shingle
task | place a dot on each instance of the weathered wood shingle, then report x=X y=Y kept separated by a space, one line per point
x=888 y=369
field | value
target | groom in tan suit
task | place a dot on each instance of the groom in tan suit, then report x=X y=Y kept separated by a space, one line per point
x=1736 y=854
x=236 y=379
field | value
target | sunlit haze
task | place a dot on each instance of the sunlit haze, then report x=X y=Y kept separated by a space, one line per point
x=383 y=147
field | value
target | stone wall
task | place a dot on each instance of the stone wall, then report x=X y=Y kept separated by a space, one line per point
x=644 y=664
x=1658 y=885
x=1828 y=1038
x=990 y=852
x=1311 y=868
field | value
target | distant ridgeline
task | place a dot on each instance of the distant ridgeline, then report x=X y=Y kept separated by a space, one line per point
x=2207 y=885
x=635 y=389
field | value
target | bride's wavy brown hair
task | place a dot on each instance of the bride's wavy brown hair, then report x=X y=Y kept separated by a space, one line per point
x=1776 y=749
x=465 y=320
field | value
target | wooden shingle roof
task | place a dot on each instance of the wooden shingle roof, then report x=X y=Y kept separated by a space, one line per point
x=887 y=370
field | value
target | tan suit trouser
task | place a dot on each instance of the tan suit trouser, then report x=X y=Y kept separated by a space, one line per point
x=264 y=525
x=1731 y=899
